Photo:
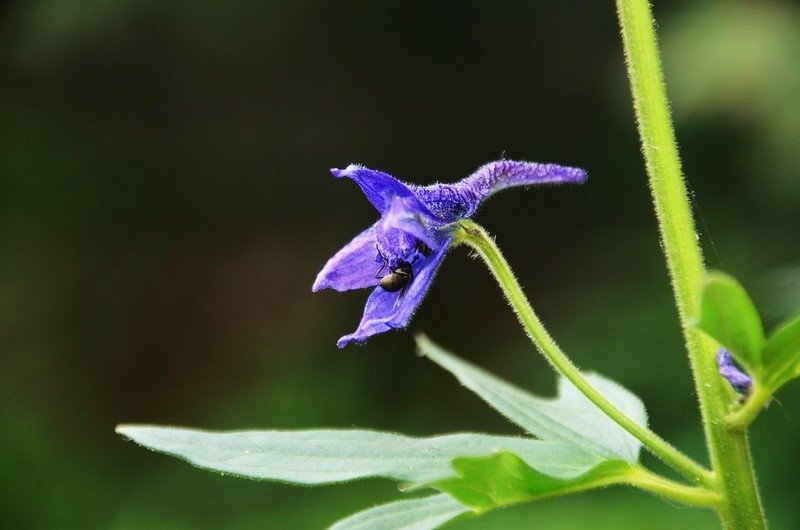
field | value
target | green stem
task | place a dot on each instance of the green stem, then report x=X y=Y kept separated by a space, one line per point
x=742 y=418
x=690 y=495
x=728 y=449
x=477 y=238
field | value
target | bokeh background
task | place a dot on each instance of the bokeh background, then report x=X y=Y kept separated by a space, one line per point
x=165 y=204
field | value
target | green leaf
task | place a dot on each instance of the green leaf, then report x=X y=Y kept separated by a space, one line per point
x=411 y=514
x=569 y=418
x=503 y=479
x=329 y=456
x=729 y=317
x=782 y=354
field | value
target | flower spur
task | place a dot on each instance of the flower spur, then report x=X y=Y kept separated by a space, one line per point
x=413 y=235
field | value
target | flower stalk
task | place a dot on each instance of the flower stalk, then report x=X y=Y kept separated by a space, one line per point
x=758 y=398
x=690 y=495
x=474 y=236
x=729 y=452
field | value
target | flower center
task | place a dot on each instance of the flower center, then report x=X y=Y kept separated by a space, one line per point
x=401 y=259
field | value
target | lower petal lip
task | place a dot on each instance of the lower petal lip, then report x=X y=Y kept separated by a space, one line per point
x=385 y=310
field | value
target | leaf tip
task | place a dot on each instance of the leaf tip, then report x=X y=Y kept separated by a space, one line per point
x=423 y=343
x=715 y=275
x=122 y=429
x=129 y=430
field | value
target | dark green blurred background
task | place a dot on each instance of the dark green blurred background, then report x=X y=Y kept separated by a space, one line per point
x=166 y=204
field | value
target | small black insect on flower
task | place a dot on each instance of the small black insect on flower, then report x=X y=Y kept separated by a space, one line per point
x=397 y=277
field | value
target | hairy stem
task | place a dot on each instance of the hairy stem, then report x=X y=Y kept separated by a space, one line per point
x=728 y=449
x=690 y=495
x=476 y=237
x=742 y=418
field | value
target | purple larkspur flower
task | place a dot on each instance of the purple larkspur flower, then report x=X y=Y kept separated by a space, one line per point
x=400 y=253
x=739 y=380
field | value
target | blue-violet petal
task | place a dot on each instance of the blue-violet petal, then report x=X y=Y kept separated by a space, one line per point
x=403 y=215
x=389 y=310
x=354 y=266
x=379 y=188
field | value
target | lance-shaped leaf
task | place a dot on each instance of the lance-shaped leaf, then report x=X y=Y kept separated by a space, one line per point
x=782 y=354
x=729 y=317
x=503 y=479
x=569 y=418
x=330 y=456
x=412 y=514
